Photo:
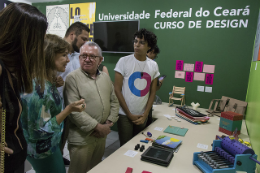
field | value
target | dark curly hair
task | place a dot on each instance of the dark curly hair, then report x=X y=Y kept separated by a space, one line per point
x=149 y=36
x=155 y=50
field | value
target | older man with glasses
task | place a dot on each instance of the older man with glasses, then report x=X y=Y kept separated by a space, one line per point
x=88 y=129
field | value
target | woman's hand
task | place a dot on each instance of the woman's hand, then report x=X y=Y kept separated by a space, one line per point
x=7 y=150
x=77 y=106
x=59 y=82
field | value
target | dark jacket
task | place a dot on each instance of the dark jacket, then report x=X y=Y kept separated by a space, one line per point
x=13 y=130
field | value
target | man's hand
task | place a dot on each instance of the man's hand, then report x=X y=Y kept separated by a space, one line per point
x=59 y=81
x=161 y=81
x=102 y=130
x=134 y=117
x=140 y=120
x=109 y=122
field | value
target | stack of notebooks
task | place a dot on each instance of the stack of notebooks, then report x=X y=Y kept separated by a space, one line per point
x=191 y=115
x=167 y=143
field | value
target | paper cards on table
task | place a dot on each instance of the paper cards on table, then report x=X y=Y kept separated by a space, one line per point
x=130 y=153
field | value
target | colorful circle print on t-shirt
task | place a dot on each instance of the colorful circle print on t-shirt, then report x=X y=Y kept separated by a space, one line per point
x=140 y=75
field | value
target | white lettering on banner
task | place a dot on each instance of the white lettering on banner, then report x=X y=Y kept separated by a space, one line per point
x=227 y=23
x=232 y=12
x=201 y=13
x=191 y=24
x=127 y=16
x=169 y=25
x=197 y=23
x=171 y=14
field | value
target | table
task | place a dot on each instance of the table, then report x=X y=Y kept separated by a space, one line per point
x=182 y=162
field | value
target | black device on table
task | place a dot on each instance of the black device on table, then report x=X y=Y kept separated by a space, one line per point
x=157 y=156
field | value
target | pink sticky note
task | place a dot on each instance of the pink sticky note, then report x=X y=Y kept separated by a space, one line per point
x=199 y=76
x=209 y=68
x=179 y=74
x=179 y=65
x=188 y=67
x=209 y=79
x=189 y=77
x=198 y=66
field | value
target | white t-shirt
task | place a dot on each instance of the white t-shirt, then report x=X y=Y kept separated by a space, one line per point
x=138 y=76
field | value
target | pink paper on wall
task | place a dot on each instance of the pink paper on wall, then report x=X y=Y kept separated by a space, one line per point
x=209 y=79
x=189 y=77
x=199 y=76
x=209 y=68
x=198 y=66
x=179 y=65
x=188 y=67
x=179 y=74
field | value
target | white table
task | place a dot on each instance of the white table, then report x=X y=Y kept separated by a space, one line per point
x=182 y=160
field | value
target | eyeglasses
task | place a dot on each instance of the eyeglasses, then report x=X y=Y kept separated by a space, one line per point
x=141 y=42
x=91 y=57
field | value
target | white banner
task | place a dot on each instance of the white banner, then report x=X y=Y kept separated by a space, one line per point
x=58 y=19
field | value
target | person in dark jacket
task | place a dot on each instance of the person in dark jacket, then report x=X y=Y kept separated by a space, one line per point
x=22 y=33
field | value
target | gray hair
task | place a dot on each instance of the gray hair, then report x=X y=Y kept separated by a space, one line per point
x=91 y=43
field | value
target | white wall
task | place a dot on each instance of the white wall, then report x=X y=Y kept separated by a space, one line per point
x=21 y=1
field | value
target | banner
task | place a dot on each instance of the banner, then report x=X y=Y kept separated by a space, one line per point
x=58 y=19
x=85 y=13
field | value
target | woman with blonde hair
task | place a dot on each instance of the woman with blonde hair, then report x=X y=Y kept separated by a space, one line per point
x=22 y=32
x=42 y=116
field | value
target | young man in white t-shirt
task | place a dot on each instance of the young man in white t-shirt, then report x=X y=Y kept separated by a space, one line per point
x=135 y=86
